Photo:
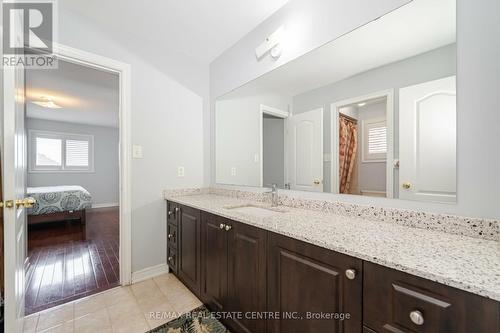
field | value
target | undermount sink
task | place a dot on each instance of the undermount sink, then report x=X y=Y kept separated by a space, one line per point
x=255 y=210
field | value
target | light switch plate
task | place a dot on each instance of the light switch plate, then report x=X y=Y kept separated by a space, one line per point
x=233 y=171
x=136 y=151
x=180 y=171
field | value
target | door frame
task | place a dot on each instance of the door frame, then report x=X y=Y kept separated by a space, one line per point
x=123 y=70
x=334 y=130
x=264 y=109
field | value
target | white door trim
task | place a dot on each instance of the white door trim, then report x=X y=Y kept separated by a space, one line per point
x=123 y=70
x=334 y=129
x=264 y=109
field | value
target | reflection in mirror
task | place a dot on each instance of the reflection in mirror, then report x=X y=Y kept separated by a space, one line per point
x=371 y=113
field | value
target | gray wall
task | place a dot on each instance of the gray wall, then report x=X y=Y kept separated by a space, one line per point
x=371 y=175
x=274 y=151
x=103 y=184
x=428 y=66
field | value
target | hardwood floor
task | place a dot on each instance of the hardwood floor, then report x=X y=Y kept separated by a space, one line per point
x=68 y=261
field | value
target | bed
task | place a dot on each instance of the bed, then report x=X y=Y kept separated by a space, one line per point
x=58 y=203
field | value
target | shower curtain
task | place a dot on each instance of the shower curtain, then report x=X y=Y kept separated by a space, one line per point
x=348 y=145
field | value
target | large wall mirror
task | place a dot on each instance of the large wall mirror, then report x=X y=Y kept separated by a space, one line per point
x=371 y=113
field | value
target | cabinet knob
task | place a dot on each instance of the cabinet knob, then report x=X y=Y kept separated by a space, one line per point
x=417 y=317
x=222 y=226
x=406 y=186
x=170 y=258
x=350 y=273
x=228 y=227
x=170 y=212
x=176 y=209
x=169 y=236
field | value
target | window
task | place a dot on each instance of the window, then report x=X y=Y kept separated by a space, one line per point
x=374 y=140
x=52 y=151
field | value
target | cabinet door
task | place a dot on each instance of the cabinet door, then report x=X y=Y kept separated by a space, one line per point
x=213 y=261
x=399 y=302
x=172 y=212
x=306 y=281
x=189 y=248
x=246 y=276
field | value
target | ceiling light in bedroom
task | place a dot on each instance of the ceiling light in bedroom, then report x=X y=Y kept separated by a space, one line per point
x=47 y=102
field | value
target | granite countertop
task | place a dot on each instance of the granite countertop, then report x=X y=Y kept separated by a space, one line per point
x=466 y=263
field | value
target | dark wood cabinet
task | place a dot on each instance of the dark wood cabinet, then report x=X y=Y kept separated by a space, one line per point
x=247 y=276
x=214 y=262
x=306 y=282
x=398 y=302
x=172 y=212
x=295 y=286
x=189 y=248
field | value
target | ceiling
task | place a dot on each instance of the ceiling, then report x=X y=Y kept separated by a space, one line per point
x=416 y=28
x=200 y=29
x=86 y=95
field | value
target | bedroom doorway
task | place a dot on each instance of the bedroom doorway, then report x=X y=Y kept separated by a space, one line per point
x=73 y=149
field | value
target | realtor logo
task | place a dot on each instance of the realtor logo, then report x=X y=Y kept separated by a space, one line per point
x=28 y=34
x=35 y=19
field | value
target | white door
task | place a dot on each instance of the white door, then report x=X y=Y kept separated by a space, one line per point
x=428 y=141
x=305 y=132
x=13 y=161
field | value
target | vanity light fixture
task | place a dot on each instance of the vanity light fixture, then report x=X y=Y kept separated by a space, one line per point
x=271 y=44
x=47 y=102
x=362 y=104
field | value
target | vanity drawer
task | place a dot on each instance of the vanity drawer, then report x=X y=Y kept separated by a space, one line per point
x=172 y=235
x=172 y=212
x=398 y=302
x=172 y=259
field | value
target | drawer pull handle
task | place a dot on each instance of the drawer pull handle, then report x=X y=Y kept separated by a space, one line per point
x=417 y=317
x=222 y=226
x=228 y=227
x=350 y=273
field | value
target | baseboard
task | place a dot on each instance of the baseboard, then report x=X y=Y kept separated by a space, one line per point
x=148 y=273
x=105 y=205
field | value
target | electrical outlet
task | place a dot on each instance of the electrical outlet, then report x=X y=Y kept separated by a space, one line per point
x=136 y=151
x=233 y=171
x=180 y=171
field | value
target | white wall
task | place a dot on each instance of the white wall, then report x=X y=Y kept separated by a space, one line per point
x=478 y=79
x=167 y=120
x=238 y=137
x=103 y=182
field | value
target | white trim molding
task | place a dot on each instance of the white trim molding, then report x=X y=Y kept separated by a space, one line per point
x=123 y=70
x=149 y=272
x=106 y=205
x=334 y=130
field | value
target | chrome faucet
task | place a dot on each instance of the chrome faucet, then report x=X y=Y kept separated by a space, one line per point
x=274 y=195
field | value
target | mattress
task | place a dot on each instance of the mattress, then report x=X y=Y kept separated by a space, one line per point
x=54 y=199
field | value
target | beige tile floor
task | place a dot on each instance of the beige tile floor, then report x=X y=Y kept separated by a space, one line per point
x=136 y=309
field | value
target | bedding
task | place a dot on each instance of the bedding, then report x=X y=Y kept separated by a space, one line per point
x=54 y=199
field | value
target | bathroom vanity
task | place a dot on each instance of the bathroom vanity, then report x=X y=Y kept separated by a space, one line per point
x=299 y=268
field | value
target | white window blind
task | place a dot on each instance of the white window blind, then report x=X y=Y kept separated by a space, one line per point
x=377 y=140
x=77 y=153
x=374 y=143
x=52 y=151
